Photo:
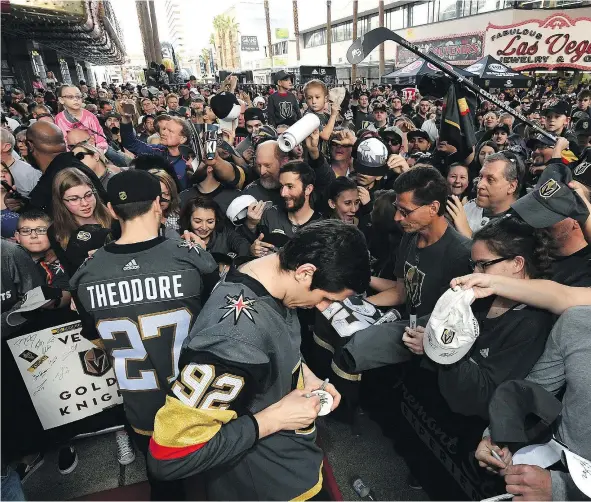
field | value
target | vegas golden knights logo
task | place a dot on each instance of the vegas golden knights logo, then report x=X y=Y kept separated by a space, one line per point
x=581 y=168
x=413 y=282
x=447 y=336
x=549 y=188
x=95 y=362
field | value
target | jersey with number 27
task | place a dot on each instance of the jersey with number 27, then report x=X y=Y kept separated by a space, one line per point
x=143 y=300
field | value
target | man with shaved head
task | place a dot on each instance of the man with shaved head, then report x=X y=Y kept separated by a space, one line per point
x=47 y=150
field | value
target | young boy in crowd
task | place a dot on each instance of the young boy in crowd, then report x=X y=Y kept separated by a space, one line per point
x=283 y=106
x=316 y=94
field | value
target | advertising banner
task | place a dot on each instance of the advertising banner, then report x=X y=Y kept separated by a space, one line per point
x=466 y=49
x=555 y=42
x=249 y=43
x=67 y=377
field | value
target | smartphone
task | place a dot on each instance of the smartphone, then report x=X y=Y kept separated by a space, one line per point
x=128 y=108
x=268 y=204
x=228 y=148
x=13 y=193
x=211 y=143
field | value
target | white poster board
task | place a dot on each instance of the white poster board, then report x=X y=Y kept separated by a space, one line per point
x=67 y=377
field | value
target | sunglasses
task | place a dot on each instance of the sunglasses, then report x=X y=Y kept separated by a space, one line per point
x=81 y=155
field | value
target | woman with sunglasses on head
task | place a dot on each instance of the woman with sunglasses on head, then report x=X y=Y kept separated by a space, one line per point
x=512 y=335
x=203 y=217
x=80 y=219
x=74 y=116
x=92 y=157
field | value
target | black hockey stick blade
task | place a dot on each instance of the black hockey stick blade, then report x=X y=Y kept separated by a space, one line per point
x=361 y=48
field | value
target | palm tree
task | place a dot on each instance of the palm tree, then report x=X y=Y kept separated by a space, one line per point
x=355 y=11
x=268 y=21
x=233 y=27
x=219 y=26
x=381 y=21
x=328 y=34
x=205 y=56
x=296 y=28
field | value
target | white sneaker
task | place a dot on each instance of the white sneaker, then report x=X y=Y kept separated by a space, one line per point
x=125 y=451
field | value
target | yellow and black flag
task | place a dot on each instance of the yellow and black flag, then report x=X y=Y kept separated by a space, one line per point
x=457 y=121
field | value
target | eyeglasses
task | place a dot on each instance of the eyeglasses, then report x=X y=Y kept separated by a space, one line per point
x=73 y=96
x=77 y=200
x=482 y=265
x=29 y=231
x=81 y=155
x=405 y=213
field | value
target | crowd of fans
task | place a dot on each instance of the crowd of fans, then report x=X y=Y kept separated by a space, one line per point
x=510 y=220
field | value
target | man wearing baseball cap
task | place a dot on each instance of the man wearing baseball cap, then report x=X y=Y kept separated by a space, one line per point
x=380 y=115
x=142 y=283
x=418 y=141
x=583 y=132
x=254 y=119
x=554 y=205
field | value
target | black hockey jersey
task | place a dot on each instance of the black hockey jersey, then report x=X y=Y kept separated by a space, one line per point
x=142 y=299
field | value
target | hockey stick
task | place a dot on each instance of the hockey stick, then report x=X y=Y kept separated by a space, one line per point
x=361 y=48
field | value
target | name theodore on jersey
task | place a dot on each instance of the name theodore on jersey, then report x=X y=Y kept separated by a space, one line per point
x=130 y=291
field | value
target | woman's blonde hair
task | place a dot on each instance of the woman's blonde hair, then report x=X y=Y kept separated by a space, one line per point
x=64 y=222
x=92 y=149
x=174 y=204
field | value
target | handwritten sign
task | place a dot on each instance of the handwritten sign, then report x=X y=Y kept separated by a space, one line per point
x=67 y=377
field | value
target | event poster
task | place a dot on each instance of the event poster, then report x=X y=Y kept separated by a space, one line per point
x=67 y=377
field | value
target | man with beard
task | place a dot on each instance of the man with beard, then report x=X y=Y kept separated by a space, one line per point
x=421 y=116
x=395 y=139
x=396 y=110
x=254 y=119
x=419 y=145
x=499 y=185
x=205 y=184
x=47 y=150
x=363 y=117
x=542 y=148
x=146 y=124
x=279 y=224
x=380 y=115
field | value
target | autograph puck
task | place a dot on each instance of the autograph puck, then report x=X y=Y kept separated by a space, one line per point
x=326 y=401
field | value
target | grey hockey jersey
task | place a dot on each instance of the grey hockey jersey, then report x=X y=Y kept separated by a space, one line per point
x=243 y=355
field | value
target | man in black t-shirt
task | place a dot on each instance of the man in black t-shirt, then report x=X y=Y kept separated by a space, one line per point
x=431 y=252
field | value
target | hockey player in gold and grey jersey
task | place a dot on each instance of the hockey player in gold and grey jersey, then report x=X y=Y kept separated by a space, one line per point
x=240 y=410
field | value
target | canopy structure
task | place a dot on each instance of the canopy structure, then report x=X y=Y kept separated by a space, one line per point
x=490 y=73
x=412 y=73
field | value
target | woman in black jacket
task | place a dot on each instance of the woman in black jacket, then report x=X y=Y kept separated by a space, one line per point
x=203 y=217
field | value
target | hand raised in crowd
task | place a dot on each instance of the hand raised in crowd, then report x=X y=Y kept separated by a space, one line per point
x=254 y=214
x=248 y=155
x=487 y=461
x=444 y=146
x=346 y=137
x=312 y=142
x=561 y=144
x=455 y=209
x=413 y=339
x=364 y=195
x=398 y=163
x=228 y=136
x=260 y=248
x=528 y=482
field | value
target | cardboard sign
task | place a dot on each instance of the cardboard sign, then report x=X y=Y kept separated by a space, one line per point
x=67 y=377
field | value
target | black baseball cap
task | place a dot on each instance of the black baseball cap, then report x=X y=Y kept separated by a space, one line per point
x=370 y=156
x=583 y=127
x=133 y=185
x=379 y=105
x=521 y=412
x=551 y=200
x=418 y=133
x=501 y=127
x=560 y=108
x=283 y=75
x=538 y=138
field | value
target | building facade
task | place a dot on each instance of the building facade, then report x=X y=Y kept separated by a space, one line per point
x=553 y=38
